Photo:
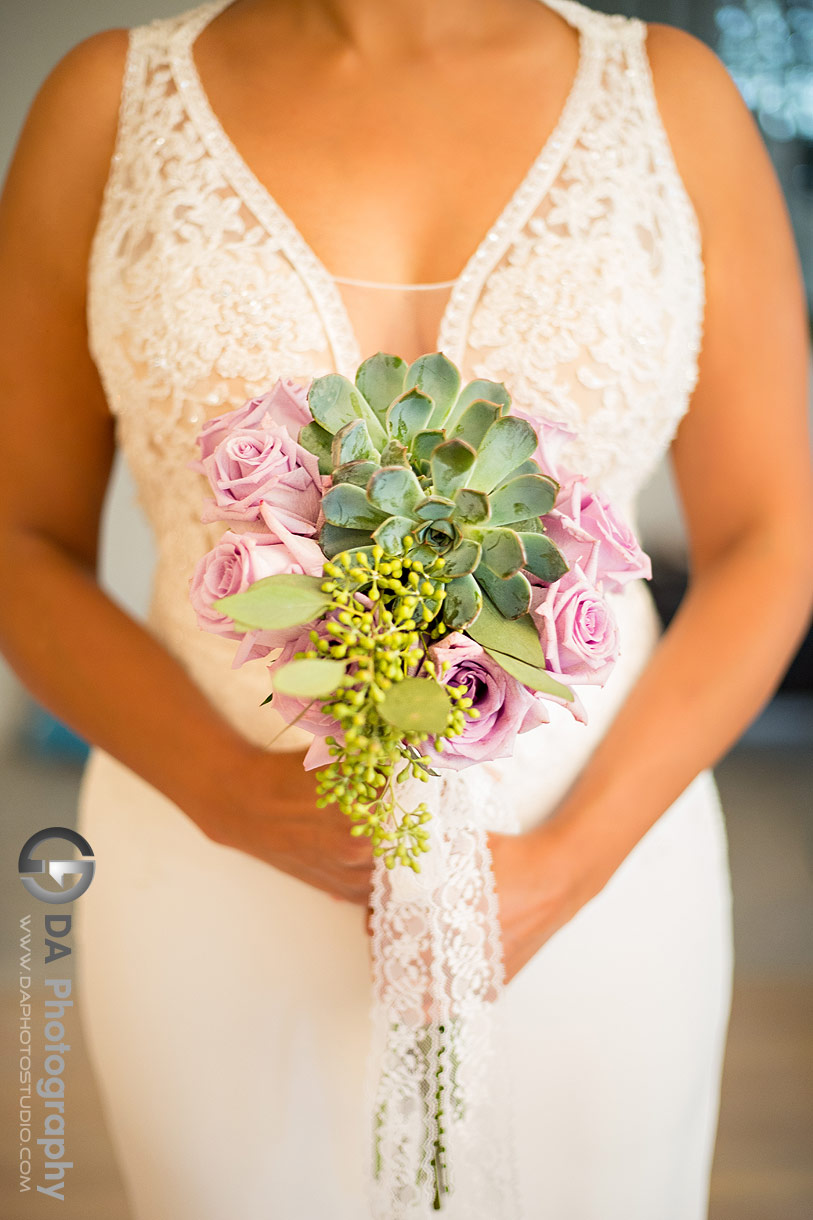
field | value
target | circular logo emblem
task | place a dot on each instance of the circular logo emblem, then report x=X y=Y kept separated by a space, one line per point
x=33 y=869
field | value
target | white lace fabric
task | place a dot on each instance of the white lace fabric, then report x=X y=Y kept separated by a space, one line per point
x=440 y=1106
x=586 y=298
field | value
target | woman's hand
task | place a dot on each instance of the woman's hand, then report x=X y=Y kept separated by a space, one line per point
x=540 y=887
x=275 y=818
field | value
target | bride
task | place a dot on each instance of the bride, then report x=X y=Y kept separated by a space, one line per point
x=577 y=204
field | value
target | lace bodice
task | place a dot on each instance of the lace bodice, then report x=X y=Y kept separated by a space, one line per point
x=585 y=297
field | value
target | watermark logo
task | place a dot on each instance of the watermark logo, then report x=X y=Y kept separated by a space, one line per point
x=33 y=870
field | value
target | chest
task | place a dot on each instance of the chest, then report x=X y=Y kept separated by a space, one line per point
x=392 y=168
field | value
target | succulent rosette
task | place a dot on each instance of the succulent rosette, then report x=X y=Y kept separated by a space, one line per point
x=418 y=565
x=411 y=452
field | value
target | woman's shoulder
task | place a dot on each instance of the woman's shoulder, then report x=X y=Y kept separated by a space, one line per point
x=55 y=182
x=91 y=73
x=91 y=70
x=77 y=104
x=71 y=123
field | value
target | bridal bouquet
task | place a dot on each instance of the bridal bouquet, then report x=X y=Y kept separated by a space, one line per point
x=419 y=568
x=423 y=577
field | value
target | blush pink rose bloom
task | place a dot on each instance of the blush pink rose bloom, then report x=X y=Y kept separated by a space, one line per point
x=553 y=438
x=239 y=560
x=506 y=707
x=577 y=629
x=254 y=468
x=590 y=533
x=286 y=404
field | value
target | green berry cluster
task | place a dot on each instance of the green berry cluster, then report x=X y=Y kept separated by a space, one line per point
x=384 y=610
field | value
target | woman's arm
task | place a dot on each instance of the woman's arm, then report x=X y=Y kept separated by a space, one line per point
x=742 y=463
x=74 y=648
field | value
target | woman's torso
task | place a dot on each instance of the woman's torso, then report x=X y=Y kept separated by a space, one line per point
x=585 y=297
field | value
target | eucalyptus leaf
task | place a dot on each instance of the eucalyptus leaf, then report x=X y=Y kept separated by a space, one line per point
x=276 y=602
x=308 y=677
x=531 y=675
x=416 y=705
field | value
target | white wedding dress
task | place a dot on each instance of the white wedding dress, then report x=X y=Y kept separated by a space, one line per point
x=226 y=1005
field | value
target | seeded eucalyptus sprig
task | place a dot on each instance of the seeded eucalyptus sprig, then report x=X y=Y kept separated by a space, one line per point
x=369 y=668
x=390 y=700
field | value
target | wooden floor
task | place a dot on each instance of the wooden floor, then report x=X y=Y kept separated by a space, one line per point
x=763 y=1168
x=763 y=1165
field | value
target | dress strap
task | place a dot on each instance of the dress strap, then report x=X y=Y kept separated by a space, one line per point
x=132 y=85
x=665 y=166
x=131 y=99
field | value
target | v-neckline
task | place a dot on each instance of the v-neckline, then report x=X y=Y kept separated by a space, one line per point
x=532 y=189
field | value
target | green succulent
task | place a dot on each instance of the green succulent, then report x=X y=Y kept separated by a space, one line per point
x=412 y=454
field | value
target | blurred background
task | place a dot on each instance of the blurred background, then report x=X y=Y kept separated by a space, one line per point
x=763 y=1168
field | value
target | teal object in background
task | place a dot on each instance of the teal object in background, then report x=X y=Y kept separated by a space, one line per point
x=43 y=734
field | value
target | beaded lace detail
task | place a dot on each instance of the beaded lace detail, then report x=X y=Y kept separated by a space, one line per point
x=586 y=298
x=347 y=279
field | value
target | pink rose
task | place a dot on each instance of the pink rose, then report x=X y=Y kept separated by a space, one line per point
x=286 y=403
x=553 y=437
x=577 y=629
x=252 y=468
x=239 y=560
x=589 y=532
x=506 y=707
